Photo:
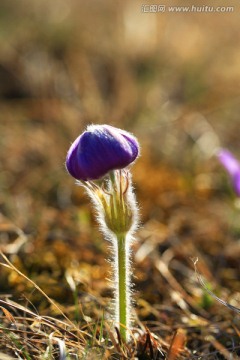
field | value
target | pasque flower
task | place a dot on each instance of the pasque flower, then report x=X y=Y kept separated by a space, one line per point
x=98 y=159
x=232 y=166
x=100 y=149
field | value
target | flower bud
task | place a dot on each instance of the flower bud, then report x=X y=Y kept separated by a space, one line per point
x=100 y=149
x=232 y=166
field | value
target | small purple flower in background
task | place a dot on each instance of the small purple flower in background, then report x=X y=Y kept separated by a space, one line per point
x=100 y=149
x=232 y=166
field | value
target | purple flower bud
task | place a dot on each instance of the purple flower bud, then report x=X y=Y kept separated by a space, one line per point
x=232 y=165
x=100 y=149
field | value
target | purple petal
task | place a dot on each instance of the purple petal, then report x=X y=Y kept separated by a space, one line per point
x=236 y=183
x=100 y=149
x=232 y=166
x=228 y=160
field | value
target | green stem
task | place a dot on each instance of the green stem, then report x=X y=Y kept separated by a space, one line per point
x=122 y=286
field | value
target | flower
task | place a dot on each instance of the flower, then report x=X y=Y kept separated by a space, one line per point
x=232 y=165
x=105 y=150
x=100 y=149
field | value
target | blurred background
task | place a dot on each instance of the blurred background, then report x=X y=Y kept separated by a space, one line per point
x=172 y=79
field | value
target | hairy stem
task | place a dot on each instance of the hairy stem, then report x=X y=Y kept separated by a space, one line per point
x=123 y=283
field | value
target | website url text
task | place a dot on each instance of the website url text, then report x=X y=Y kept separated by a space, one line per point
x=184 y=9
